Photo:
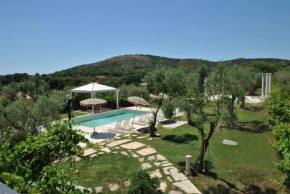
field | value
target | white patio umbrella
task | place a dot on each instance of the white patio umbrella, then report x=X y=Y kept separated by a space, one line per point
x=92 y=102
x=157 y=97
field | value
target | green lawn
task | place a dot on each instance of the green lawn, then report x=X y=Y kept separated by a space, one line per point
x=104 y=170
x=248 y=167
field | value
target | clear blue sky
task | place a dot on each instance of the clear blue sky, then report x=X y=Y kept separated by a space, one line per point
x=51 y=35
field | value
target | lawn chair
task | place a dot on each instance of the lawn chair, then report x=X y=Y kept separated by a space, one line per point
x=139 y=120
x=127 y=126
x=114 y=128
x=145 y=120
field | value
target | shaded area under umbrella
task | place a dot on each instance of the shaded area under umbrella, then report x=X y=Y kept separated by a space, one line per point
x=93 y=102
x=137 y=101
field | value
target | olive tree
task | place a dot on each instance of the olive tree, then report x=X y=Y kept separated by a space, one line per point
x=163 y=81
x=193 y=103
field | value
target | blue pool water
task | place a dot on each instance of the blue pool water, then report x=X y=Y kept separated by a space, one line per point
x=108 y=117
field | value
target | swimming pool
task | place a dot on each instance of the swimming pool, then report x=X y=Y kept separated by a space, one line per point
x=108 y=117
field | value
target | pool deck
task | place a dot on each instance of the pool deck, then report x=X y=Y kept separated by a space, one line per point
x=103 y=135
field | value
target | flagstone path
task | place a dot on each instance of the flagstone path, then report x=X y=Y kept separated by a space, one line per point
x=157 y=164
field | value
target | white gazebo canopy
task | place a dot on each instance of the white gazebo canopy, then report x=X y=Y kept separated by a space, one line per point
x=94 y=88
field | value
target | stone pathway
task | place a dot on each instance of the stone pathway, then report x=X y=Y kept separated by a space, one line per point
x=157 y=164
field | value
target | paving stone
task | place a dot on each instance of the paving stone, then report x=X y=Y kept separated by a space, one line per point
x=151 y=158
x=93 y=155
x=156 y=173
x=186 y=186
x=117 y=148
x=229 y=142
x=141 y=159
x=117 y=137
x=163 y=186
x=169 y=170
x=169 y=179
x=133 y=145
x=124 y=153
x=113 y=187
x=116 y=143
x=127 y=183
x=89 y=151
x=99 y=189
x=127 y=135
x=160 y=157
x=150 y=138
x=115 y=152
x=146 y=151
x=77 y=158
x=106 y=150
x=100 y=153
x=142 y=137
x=167 y=164
x=174 y=192
x=157 y=163
x=177 y=176
x=146 y=166
x=135 y=155
x=134 y=135
x=165 y=161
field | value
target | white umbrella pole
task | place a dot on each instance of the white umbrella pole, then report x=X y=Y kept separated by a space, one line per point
x=94 y=125
x=134 y=117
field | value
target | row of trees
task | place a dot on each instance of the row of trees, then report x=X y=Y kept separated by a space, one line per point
x=190 y=93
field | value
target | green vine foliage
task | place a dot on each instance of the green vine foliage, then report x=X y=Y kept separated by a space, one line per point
x=279 y=109
x=33 y=160
x=142 y=183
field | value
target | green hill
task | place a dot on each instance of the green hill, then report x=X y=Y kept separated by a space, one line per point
x=130 y=69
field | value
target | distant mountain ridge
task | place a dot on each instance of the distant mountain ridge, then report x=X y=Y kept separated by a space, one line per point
x=149 y=61
x=131 y=69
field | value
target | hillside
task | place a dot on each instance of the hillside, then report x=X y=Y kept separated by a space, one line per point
x=149 y=61
x=128 y=69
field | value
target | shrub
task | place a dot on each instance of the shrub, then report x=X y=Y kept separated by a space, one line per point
x=168 y=109
x=141 y=183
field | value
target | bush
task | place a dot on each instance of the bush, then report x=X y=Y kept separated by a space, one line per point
x=132 y=90
x=111 y=99
x=141 y=183
x=168 y=109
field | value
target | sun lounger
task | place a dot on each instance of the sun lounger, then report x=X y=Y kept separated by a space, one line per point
x=127 y=127
x=145 y=120
x=115 y=128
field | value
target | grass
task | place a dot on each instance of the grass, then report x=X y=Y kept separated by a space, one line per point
x=103 y=170
x=76 y=114
x=248 y=167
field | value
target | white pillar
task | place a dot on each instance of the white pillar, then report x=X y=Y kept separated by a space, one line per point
x=117 y=98
x=263 y=84
x=267 y=85
x=270 y=82
x=187 y=164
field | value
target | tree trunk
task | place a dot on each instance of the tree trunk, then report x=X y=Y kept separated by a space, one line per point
x=198 y=165
x=152 y=126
